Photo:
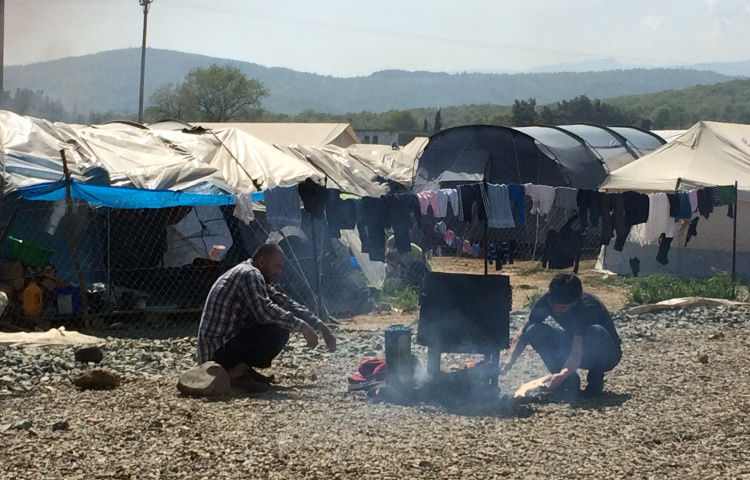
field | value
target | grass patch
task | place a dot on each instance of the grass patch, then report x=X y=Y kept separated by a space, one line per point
x=656 y=288
x=402 y=297
x=530 y=270
x=531 y=299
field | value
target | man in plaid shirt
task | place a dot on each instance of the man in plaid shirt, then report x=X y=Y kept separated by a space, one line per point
x=246 y=321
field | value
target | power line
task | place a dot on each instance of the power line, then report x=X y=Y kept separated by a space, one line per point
x=340 y=27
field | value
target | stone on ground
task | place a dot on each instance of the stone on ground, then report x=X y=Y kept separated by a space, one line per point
x=206 y=380
x=88 y=354
x=96 y=379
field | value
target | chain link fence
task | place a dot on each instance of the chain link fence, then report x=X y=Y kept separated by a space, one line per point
x=149 y=270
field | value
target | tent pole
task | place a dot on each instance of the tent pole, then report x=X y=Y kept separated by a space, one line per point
x=318 y=276
x=734 y=236
x=71 y=242
x=486 y=230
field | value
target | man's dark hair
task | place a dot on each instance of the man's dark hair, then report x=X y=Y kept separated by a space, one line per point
x=565 y=289
x=266 y=250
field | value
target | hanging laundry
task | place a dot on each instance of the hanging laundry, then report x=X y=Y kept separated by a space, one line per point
x=499 y=214
x=429 y=200
x=400 y=207
x=348 y=213
x=243 y=207
x=374 y=220
x=282 y=207
x=693 y=194
x=659 y=222
x=466 y=246
x=566 y=197
x=664 y=244
x=444 y=196
x=334 y=212
x=441 y=227
x=705 y=203
x=517 y=196
x=692 y=230
x=542 y=197
x=491 y=253
x=313 y=197
x=674 y=205
x=588 y=208
x=457 y=243
x=685 y=211
x=713 y=192
x=726 y=195
x=475 y=250
x=468 y=195
x=449 y=237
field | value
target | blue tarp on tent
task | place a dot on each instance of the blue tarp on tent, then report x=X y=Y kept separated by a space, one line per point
x=125 y=198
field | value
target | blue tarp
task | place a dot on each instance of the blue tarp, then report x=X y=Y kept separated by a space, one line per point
x=125 y=198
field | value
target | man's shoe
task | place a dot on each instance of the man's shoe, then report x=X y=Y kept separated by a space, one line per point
x=249 y=384
x=595 y=384
x=260 y=378
x=572 y=384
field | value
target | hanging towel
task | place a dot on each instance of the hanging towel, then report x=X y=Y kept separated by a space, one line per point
x=542 y=197
x=243 y=207
x=516 y=193
x=499 y=214
x=566 y=197
x=726 y=195
x=282 y=207
x=429 y=199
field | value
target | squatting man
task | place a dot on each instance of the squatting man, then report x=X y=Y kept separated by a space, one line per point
x=247 y=321
x=588 y=338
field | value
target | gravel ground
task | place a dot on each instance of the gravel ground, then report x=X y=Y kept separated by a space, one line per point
x=676 y=407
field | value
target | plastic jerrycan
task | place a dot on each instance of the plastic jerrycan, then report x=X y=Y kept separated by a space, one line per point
x=32 y=300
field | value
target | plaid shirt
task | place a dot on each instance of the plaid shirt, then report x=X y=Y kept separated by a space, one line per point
x=239 y=298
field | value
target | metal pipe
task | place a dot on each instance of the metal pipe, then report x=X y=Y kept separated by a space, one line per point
x=146 y=4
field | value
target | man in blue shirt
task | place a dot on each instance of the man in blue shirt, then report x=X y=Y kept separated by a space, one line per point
x=587 y=337
x=246 y=321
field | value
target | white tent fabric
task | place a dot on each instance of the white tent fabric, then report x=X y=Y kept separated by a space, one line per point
x=709 y=153
x=387 y=162
x=195 y=235
x=130 y=155
x=282 y=134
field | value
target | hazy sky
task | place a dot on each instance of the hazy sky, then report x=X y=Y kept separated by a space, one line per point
x=348 y=38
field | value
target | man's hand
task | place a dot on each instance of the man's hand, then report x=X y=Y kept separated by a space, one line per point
x=310 y=336
x=554 y=380
x=328 y=337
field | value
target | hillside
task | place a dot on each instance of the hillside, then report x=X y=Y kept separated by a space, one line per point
x=109 y=81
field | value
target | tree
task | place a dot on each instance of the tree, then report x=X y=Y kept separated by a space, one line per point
x=213 y=94
x=660 y=116
x=400 y=120
x=524 y=112
x=438 y=124
x=425 y=126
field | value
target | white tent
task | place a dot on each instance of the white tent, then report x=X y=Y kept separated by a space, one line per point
x=709 y=153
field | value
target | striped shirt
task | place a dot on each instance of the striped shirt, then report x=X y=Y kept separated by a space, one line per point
x=239 y=298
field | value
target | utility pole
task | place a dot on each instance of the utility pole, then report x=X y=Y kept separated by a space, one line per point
x=146 y=5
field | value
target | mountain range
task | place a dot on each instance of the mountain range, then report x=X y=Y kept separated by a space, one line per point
x=109 y=81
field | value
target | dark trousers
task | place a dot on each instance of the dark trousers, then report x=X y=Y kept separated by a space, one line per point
x=600 y=354
x=255 y=345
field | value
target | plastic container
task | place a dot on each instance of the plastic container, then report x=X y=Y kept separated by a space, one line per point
x=32 y=301
x=29 y=253
x=400 y=373
x=68 y=301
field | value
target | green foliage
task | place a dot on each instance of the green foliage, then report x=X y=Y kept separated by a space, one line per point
x=402 y=297
x=438 y=124
x=656 y=288
x=531 y=299
x=213 y=94
x=524 y=112
x=401 y=120
x=34 y=104
x=660 y=116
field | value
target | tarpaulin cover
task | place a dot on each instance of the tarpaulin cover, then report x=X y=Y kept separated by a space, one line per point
x=126 y=198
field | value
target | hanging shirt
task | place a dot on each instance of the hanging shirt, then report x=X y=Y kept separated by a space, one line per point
x=243 y=207
x=693 y=194
x=542 y=197
x=499 y=214
x=566 y=197
x=449 y=237
x=282 y=207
